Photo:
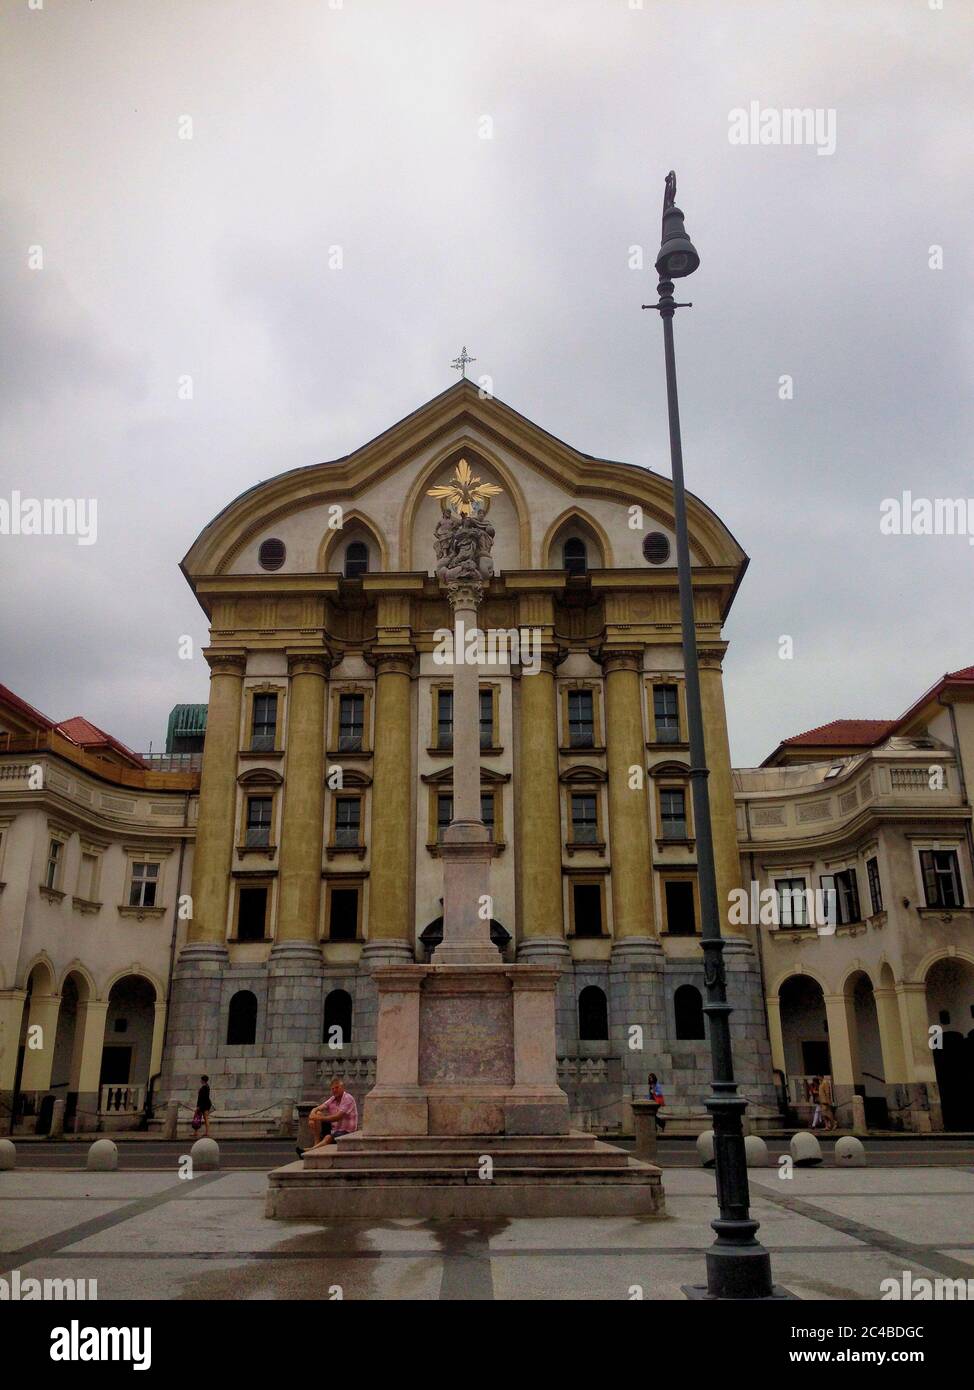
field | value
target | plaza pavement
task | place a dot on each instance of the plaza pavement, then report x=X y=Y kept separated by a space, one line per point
x=144 y=1234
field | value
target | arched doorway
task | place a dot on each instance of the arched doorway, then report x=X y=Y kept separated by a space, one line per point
x=593 y=1015
x=688 y=1013
x=950 y=1004
x=805 y=1039
x=126 y=1056
x=337 y=1028
x=69 y=1044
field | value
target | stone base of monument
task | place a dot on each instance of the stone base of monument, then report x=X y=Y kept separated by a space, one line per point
x=466 y=1118
x=467 y=1177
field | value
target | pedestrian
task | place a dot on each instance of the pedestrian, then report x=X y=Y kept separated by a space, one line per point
x=826 y=1100
x=204 y=1105
x=656 y=1093
x=813 y=1096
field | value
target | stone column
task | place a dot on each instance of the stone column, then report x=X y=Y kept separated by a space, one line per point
x=921 y=1071
x=840 y=1014
x=630 y=850
x=723 y=813
x=302 y=823
x=89 y=1042
x=11 y=1018
x=38 y=1061
x=213 y=852
x=890 y=1037
x=391 y=913
x=541 y=924
x=466 y=848
x=773 y=1005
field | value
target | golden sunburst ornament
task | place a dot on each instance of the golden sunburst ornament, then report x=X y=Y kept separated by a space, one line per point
x=465 y=493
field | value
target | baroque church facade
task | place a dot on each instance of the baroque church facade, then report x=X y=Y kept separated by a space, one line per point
x=327 y=772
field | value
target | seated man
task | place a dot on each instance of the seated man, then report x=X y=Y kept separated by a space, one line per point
x=336 y=1116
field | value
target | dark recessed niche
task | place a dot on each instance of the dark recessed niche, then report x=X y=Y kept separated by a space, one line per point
x=656 y=548
x=271 y=555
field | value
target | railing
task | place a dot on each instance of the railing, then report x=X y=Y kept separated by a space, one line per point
x=913 y=779
x=173 y=762
x=582 y=1071
x=121 y=1100
x=142 y=779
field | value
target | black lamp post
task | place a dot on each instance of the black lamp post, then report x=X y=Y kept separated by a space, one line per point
x=738 y=1266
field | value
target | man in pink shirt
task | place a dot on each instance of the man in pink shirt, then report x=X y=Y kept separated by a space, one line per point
x=338 y=1113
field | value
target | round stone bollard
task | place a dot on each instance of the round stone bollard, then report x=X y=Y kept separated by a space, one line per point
x=705 y=1148
x=805 y=1149
x=103 y=1156
x=849 y=1152
x=8 y=1155
x=756 y=1151
x=205 y=1153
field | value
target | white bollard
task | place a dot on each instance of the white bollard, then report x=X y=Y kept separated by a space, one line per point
x=8 y=1155
x=57 y=1121
x=103 y=1156
x=205 y=1153
x=805 y=1149
x=849 y=1152
x=705 y=1148
x=756 y=1151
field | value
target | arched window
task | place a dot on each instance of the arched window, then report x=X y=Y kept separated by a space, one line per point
x=593 y=1015
x=338 y=1014
x=356 y=559
x=574 y=556
x=688 y=1008
x=242 y=1019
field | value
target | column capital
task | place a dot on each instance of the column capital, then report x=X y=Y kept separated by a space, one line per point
x=391 y=661
x=465 y=594
x=711 y=657
x=317 y=663
x=225 y=663
x=614 y=659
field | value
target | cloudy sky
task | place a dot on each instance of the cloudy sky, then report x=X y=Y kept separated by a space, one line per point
x=362 y=125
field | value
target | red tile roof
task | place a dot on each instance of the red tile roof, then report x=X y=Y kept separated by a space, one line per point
x=82 y=732
x=843 y=733
x=7 y=697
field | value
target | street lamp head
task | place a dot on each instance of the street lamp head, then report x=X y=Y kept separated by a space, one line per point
x=677 y=254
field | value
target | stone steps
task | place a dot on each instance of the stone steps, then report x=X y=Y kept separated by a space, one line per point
x=517 y=1158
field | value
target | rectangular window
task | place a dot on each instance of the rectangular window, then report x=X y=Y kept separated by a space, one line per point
x=444 y=719
x=587 y=909
x=673 y=813
x=875 y=886
x=86 y=876
x=941 y=878
x=585 y=821
x=681 y=918
x=791 y=902
x=264 y=725
x=343 y=914
x=351 y=723
x=842 y=896
x=145 y=879
x=666 y=713
x=581 y=719
x=53 y=864
x=487 y=811
x=348 y=820
x=259 y=821
x=486 y=719
x=252 y=914
x=444 y=812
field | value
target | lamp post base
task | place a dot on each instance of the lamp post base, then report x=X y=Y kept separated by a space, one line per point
x=738 y=1272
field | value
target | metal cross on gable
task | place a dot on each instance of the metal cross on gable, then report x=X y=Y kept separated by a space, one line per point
x=459 y=364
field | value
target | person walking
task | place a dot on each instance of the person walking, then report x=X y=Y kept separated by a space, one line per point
x=826 y=1099
x=204 y=1105
x=656 y=1093
x=813 y=1096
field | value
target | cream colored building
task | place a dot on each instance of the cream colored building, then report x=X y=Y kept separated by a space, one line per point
x=881 y=999
x=95 y=852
